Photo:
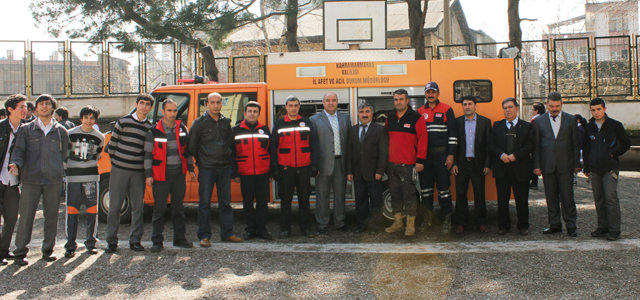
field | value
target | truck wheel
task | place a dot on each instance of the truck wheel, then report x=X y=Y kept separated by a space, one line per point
x=103 y=204
x=387 y=210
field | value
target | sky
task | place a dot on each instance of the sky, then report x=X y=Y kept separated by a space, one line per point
x=489 y=16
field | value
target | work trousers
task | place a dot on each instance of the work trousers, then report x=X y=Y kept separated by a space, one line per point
x=175 y=186
x=402 y=188
x=29 y=200
x=436 y=171
x=300 y=179
x=79 y=193
x=604 y=186
x=255 y=187
x=123 y=183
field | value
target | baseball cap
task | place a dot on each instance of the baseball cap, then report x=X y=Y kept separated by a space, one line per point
x=431 y=86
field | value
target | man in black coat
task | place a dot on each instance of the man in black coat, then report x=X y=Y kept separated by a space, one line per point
x=606 y=141
x=367 y=152
x=511 y=146
x=471 y=163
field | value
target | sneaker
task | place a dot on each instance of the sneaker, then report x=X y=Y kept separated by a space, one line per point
x=136 y=247
x=20 y=261
x=111 y=248
x=156 y=248
x=92 y=250
x=69 y=253
x=49 y=256
x=205 y=243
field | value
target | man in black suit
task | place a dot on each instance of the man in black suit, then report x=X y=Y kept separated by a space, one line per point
x=556 y=157
x=367 y=152
x=471 y=163
x=511 y=146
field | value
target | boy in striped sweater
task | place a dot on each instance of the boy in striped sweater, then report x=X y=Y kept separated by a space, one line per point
x=82 y=179
x=126 y=150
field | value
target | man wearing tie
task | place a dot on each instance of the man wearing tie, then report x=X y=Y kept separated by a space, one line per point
x=367 y=152
x=471 y=163
x=510 y=147
x=331 y=134
x=556 y=157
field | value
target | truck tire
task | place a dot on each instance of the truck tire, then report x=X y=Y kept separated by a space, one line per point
x=387 y=210
x=103 y=203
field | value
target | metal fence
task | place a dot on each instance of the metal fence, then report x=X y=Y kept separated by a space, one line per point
x=576 y=67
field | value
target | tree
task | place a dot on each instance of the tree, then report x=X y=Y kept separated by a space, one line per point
x=515 y=33
x=417 y=17
x=202 y=22
x=291 y=35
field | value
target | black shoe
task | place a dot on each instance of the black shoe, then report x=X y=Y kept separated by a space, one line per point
x=248 y=235
x=69 y=253
x=523 y=231
x=502 y=231
x=323 y=231
x=3 y=262
x=265 y=235
x=572 y=232
x=551 y=230
x=49 y=256
x=136 y=247
x=20 y=261
x=111 y=248
x=306 y=232
x=344 y=228
x=92 y=250
x=360 y=229
x=600 y=232
x=613 y=236
x=284 y=234
x=183 y=244
x=154 y=248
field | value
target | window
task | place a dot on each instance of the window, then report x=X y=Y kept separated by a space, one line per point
x=481 y=89
x=182 y=100
x=232 y=104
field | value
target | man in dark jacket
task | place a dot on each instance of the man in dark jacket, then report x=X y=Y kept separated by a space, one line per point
x=16 y=106
x=62 y=116
x=38 y=155
x=367 y=155
x=606 y=141
x=210 y=144
x=471 y=163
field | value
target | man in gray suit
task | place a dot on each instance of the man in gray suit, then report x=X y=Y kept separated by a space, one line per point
x=556 y=158
x=331 y=136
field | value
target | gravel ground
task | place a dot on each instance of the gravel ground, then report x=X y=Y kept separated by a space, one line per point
x=474 y=265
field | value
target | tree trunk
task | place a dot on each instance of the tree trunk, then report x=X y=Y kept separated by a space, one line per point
x=209 y=61
x=291 y=35
x=515 y=33
x=416 y=26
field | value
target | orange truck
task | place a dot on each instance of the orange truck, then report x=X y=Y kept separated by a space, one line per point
x=355 y=76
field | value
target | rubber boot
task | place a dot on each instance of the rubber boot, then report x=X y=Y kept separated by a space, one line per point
x=397 y=223
x=446 y=223
x=410 y=229
x=428 y=221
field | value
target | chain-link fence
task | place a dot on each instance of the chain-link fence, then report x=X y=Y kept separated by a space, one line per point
x=576 y=67
x=13 y=67
x=451 y=51
x=613 y=66
x=48 y=68
x=86 y=66
x=535 y=69
x=572 y=67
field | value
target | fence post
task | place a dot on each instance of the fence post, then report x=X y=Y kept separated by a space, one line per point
x=27 y=69
x=593 y=65
x=67 y=68
x=633 y=54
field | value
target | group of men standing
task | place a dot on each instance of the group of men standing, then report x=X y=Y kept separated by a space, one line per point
x=426 y=145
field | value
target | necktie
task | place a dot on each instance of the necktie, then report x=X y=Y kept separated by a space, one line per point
x=336 y=134
x=362 y=133
x=554 y=118
x=510 y=124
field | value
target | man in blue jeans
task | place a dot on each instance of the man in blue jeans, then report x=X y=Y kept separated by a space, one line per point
x=210 y=144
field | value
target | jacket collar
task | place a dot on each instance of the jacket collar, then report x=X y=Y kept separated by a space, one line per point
x=287 y=119
x=244 y=125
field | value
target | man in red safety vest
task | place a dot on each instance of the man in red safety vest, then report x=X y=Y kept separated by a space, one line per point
x=166 y=162
x=251 y=169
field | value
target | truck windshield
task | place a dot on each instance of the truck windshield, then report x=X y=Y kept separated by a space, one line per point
x=232 y=104
x=182 y=100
